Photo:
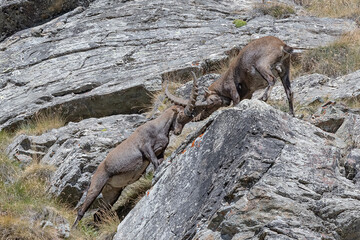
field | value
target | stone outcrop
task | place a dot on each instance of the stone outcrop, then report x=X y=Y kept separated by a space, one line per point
x=75 y=150
x=21 y=14
x=310 y=88
x=253 y=173
x=106 y=58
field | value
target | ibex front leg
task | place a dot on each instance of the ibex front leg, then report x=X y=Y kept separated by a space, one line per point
x=149 y=154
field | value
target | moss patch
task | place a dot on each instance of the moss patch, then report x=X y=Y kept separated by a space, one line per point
x=239 y=23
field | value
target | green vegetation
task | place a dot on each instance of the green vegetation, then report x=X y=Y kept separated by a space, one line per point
x=338 y=58
x=239 y=23
x=277 y=10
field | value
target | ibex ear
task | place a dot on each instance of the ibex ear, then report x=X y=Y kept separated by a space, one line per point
x=176 y=109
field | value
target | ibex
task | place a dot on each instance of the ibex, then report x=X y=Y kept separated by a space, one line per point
x=127 y=162
x=256 y=66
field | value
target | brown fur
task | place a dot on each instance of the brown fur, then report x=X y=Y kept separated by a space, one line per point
x=127 y=162
x=256 y=66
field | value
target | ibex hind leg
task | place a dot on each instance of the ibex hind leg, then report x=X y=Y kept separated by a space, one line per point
x=110 y=196
x=98 y=181
x=267 y=75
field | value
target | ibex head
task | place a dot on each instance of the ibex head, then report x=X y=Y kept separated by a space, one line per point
x=184 y=109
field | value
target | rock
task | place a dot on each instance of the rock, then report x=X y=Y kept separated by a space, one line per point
x=76 y=150
x=328 y=117
x=352 y=166
x=309 y=88
x=20 y=14
x=350 y=131
x=107 y=58
x=203 y=82
x=252 y=172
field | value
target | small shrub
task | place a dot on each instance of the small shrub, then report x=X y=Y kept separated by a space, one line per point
x=239 y=23
x=277 y=10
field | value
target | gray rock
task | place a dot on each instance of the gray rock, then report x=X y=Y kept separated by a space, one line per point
x=328 y=117
x=107 y=58
x=76 y=150
x=16 y=15
x=309 y=88
x=255 y=173
x=350 y=131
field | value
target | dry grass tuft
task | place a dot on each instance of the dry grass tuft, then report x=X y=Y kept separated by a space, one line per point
x=134 y=192
x=334 y=8
x=8 y=169
x=12 y=227
x=42 y=123
x=159 y=101
x=39 y=172
x=336 y=59
x=274 y=9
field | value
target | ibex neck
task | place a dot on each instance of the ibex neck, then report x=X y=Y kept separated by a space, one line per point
x=164 y=121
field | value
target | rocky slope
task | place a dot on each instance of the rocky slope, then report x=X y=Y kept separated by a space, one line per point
x=254 y=173
x=105 y=59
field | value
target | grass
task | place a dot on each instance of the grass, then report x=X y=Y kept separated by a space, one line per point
x=159 y=101
x=276 y=10
x=132 y=194
x=336 y=59
x=41 y=123
x=349 y=9
x=23 y=199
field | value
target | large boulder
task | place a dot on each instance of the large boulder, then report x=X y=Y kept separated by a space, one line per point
x=106 y=59
x=75 y=150
x=253 y=173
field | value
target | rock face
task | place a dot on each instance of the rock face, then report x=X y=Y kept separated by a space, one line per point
x=307 y=89
x=106 y=58
x=76 y=150
x=254 y=173
x=20 y=14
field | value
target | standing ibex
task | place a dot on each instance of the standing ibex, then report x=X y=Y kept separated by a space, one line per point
x=256 y=66
x=127 y=162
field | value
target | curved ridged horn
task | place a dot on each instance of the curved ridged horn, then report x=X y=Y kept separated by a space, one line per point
x=194 y=93
x=174 y=99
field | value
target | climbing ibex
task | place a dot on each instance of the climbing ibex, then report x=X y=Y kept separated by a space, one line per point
x=256 y=66
x=127 y=162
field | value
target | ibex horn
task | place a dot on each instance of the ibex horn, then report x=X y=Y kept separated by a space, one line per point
x=174 y=99
x=194 y=93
